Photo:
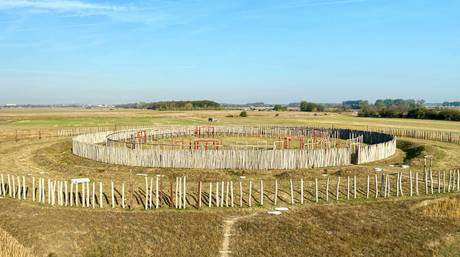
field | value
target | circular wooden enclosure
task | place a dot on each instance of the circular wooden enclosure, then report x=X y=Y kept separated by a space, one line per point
x=213 y=148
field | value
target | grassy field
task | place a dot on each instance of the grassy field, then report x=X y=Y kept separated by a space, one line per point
x=75 y=117
x=423 y=226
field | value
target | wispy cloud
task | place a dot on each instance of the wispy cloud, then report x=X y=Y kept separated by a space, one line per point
x=58 y=5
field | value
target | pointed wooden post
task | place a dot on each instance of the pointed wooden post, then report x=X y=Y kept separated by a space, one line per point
x=231 y=194
x=276 y=192
x=292 y=191
x=101 y=193
x=112 y=194
x=33 y=188
x=93 y=200
x=185 y=193
x=210 y=195
x=348 y=187
x=241 y=193
x=250 y=193
x=157 y=193
x=146 y=192
x=367 y=187
x=316 y=190
x=337 y=192
x=416 y=183
x=301 y=191
x=261 y=192
x=354 y=187
x=199 y=194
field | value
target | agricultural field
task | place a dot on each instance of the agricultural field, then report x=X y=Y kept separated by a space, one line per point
x=422 y=225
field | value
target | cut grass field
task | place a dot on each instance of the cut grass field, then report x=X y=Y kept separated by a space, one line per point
x=77 y=117
x=356 y=228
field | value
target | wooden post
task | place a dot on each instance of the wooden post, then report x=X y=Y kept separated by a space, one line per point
x=444 y=181
x=210 y=195
x=410 y=184
x=337 y=193
x=227 y=194
x=292 y=191
x=176 y=202
x=401 y=188
x=416 y=183
x=184 y=205
x=151 y=194
x=222 y=194
x=348 y=187
x=157 y=193
x=83 y=197
x=367 y=187
x=261 y=192
x=66 y=196
x=439 y=182
x=24 y=188
x=87 y=194
x=217 y=195
x=71 y=194
x=93 y=201
x=397 y=184
x=388 y=185
x=112 y=194
x=276 y=192
x=33 y=188
x=49 y=191
x=431 y=179
x=231 y=193
x=9 y=185
x=426 y=182
x=146 y=192
x=354 y=187
x=301 y=191
x=39 y=190
x=1 y=186
x=122 y=195
x=100 y=195
x=316 y=190
x=199 y=194
x=250 y=193
x=241 y=194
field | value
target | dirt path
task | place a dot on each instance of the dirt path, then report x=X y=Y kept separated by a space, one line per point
x=228 y=227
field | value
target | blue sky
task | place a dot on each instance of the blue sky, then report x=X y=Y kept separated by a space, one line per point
x=277 y=51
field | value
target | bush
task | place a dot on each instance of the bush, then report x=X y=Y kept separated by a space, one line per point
x=243 y=114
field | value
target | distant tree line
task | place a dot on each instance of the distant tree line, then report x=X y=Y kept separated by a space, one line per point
x=311 y=107
x=400 y=108
x=451 y=104
x=174 y=105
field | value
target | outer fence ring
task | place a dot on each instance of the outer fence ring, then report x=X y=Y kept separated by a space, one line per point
x=97 y=146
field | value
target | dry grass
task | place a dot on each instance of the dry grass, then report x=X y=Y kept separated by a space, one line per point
x=377 y=229
x=10 y=247
x=443 y=207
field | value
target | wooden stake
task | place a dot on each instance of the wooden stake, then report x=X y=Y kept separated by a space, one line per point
x=241 y=194
x=33 y=188
x=301 y=191
x=354 y=187
x=250 y=193
x=337 y=193
x=348 y=187
x=93 y=200
x=157 y=193
x=276 y=192
x=101 y=194
x=316 y=190
x=231 y=193
x=122 y=195
x=261 y=192
x=210 y=195
x=367 y=187
x=292 y=191
x=112 y=194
